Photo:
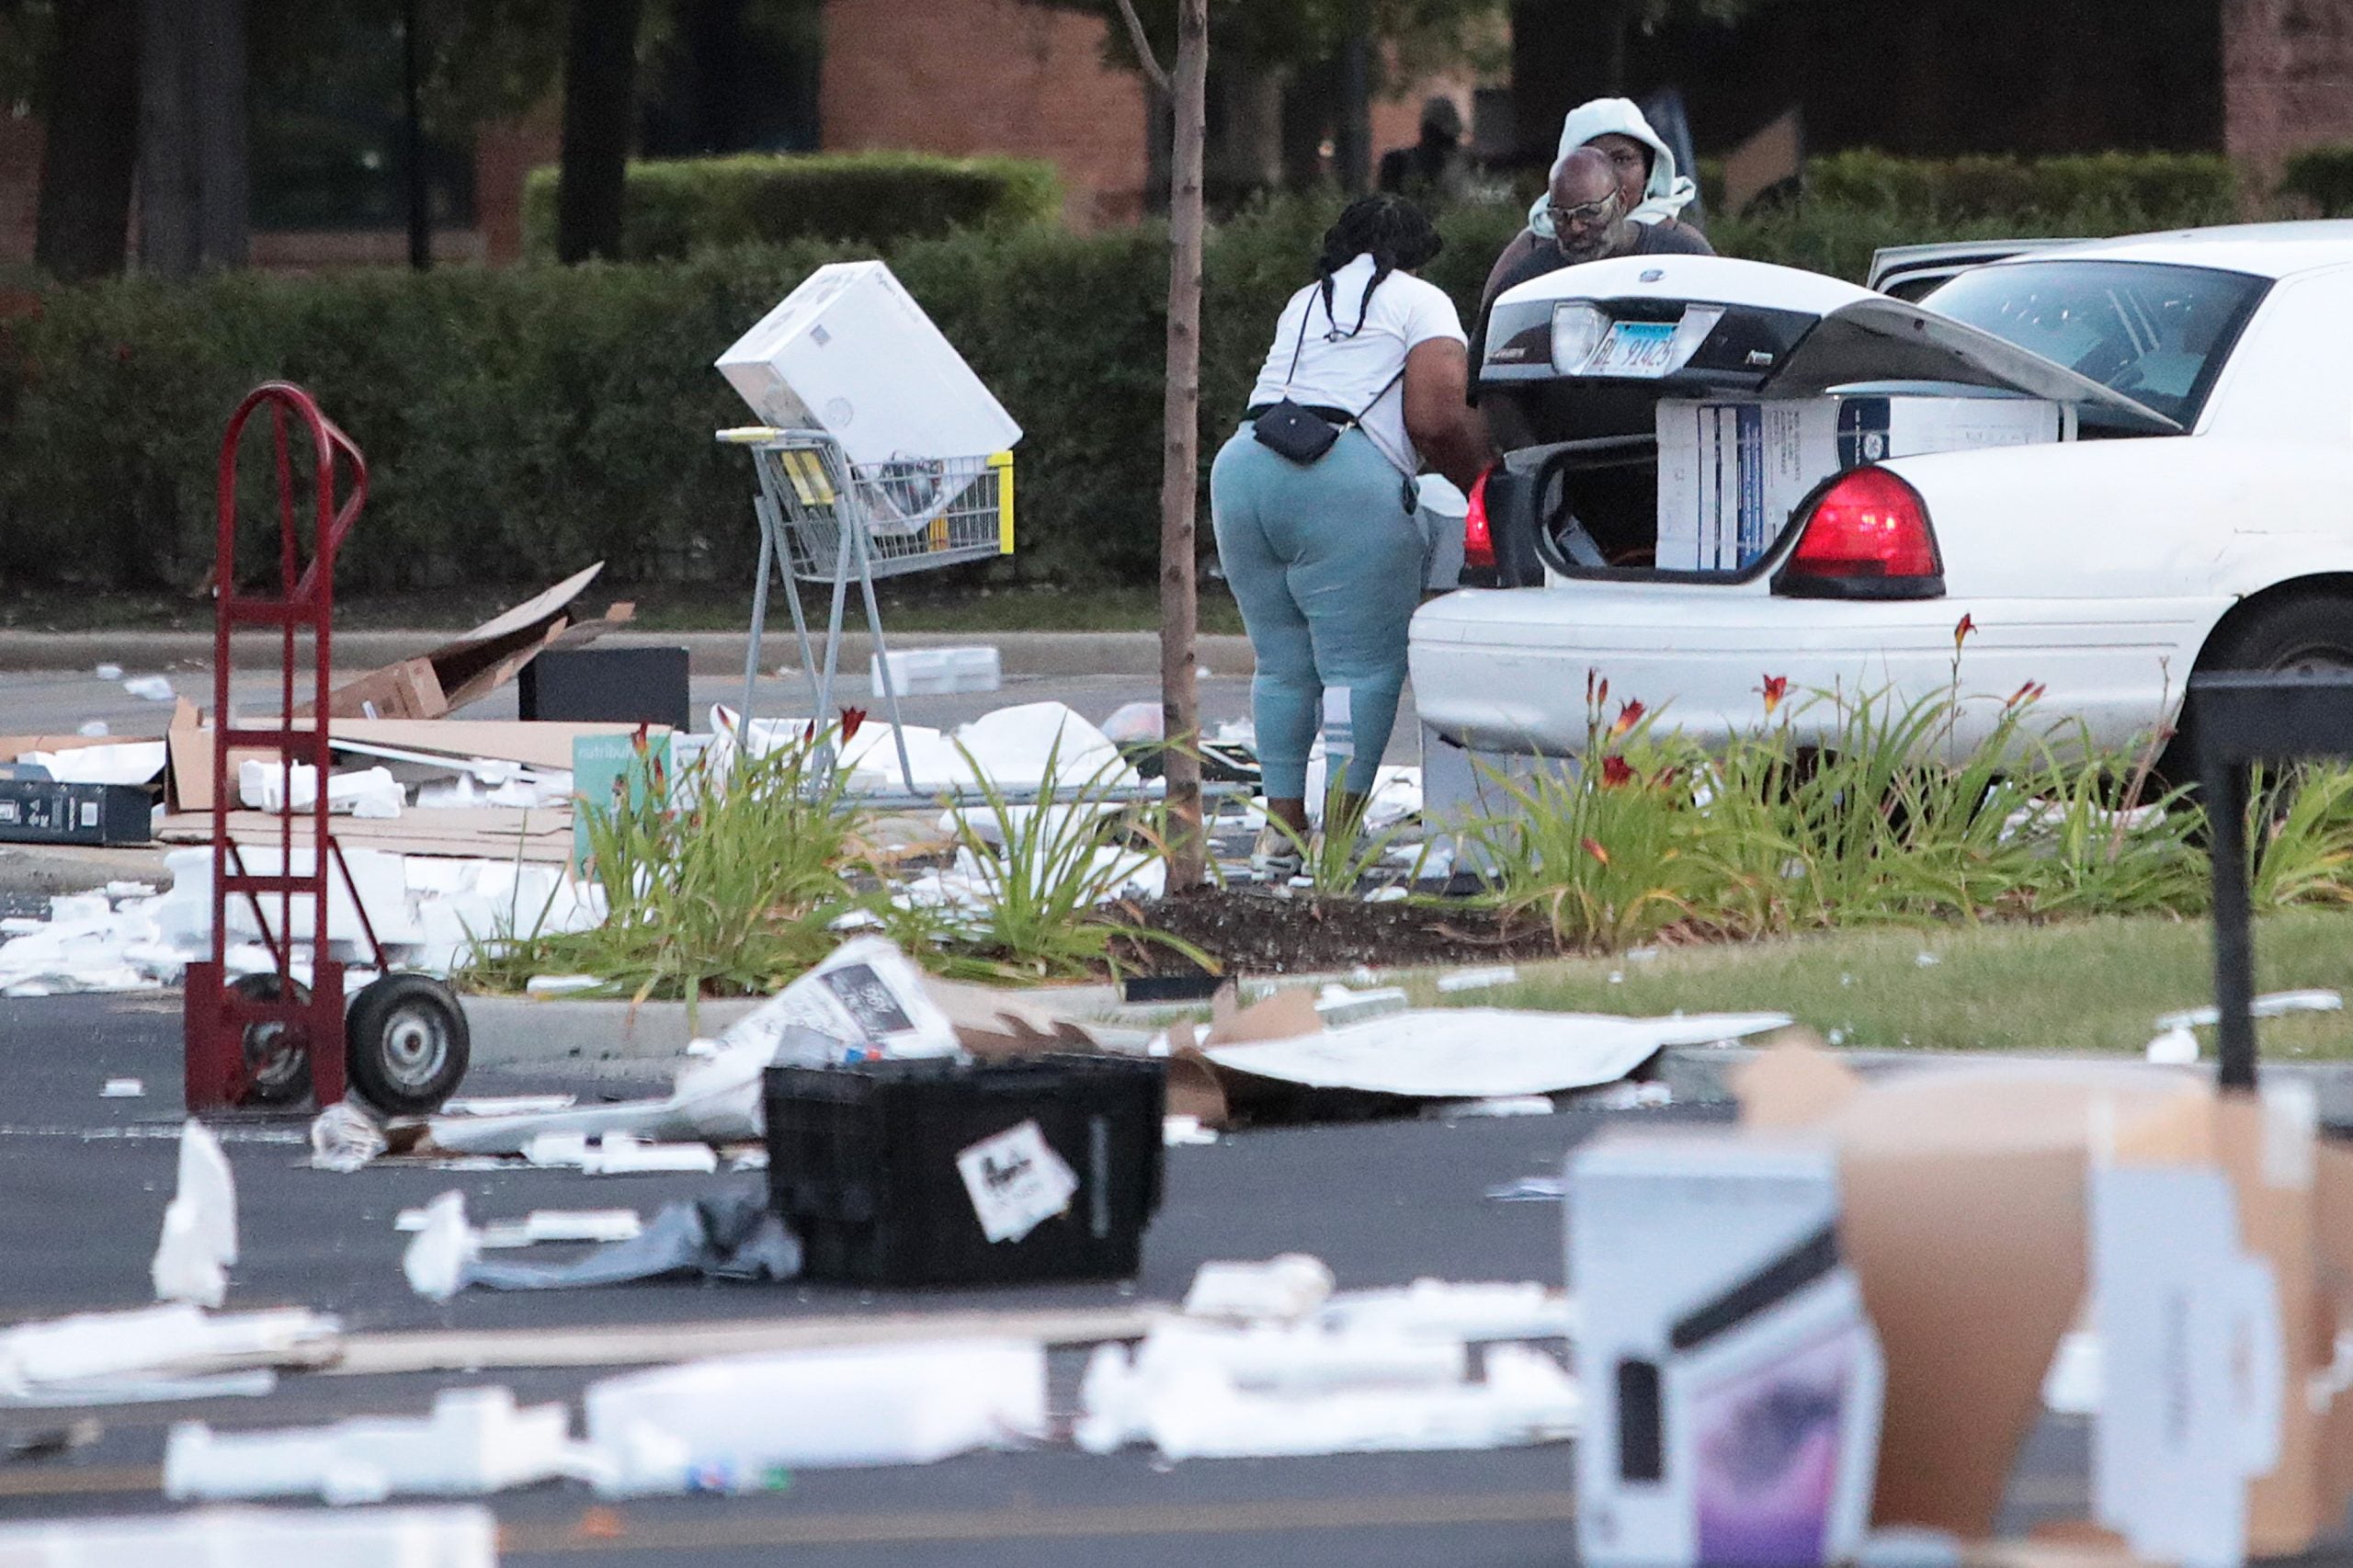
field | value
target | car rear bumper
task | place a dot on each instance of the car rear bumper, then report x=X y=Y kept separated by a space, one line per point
x=1506 y=670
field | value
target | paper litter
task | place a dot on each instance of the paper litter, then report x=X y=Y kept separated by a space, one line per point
x=199 y=1240
x=475 y=1442
x=149 y=688
x=344 y=1138
x=211 y=1538
x=725 y=1424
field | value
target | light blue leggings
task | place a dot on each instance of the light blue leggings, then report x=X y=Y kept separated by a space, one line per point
x=1327 y=565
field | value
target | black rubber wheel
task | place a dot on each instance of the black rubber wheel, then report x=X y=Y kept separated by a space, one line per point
x=277 y=1056
x=2299 y=633
x=406 y=1044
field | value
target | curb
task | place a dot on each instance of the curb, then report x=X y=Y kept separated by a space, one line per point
x=518 y=1031
x=708 y=652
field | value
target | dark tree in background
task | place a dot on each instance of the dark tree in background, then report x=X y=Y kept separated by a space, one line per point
x=90 y=106
x=599 y=115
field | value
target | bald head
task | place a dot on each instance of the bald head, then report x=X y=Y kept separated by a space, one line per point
x=1589 y=207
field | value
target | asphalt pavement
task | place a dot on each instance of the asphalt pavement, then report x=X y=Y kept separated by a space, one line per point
x=84 y=1181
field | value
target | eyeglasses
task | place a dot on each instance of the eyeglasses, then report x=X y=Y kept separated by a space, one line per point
x=1591 y=213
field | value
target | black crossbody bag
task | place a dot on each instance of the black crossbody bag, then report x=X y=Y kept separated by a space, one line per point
x=1295 y=431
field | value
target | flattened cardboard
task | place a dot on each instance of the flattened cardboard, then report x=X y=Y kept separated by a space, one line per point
x=547 y=745
x=993 y=1025
x=487 y=657
x=409 y=689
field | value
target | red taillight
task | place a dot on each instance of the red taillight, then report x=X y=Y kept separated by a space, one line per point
x=1478 y=538
x=1867 y=536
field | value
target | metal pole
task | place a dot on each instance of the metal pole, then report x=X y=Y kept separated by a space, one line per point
x=420 y=215
x=759 y=625
x=2225 y=786
x=882 y=662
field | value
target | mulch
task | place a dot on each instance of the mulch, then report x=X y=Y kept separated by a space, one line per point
x=1260 y=931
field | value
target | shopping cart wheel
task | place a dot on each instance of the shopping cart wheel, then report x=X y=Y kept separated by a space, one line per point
x=406 y=1044
x=277 y=1055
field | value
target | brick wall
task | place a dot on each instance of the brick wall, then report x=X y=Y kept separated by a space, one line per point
x=970 y=77
x=2287 y=80
x=19 y=185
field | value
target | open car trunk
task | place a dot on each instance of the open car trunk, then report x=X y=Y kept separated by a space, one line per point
x=1671 y=416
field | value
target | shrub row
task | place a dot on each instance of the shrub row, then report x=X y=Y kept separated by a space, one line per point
x=676 y=207
x=2143 y=190
x=2323 y=176
x=521 y=422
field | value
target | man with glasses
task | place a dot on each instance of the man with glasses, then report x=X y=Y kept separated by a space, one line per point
x=1591 y=221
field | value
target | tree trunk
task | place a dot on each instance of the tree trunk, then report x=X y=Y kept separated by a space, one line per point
x=193 y=181
x=82 y=226
x=599 y=109
x=413 y=195
x=1180 y=705
x=1352 y=148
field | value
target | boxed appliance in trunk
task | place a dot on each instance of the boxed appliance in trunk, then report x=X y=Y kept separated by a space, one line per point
x=851 y=353
x=1731 y=470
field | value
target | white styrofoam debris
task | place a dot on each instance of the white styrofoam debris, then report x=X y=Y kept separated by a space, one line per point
x=2176 y=1047
x=2071 y=1386
x=2272 y=1004
x=542 y=1225
x=129 y=890
x=726 y=1423
x=122 y=1089
x=279 y=788
x=1478 y=979
x=475 y=1442
x=126 y=762
x=434 y=1263
x=344 y=1138
x=1281 y=1289
x=96 y=1357
x=1625 y=1096
x=1178 y=1131
x=109 y=672
x=506 y=1105
x=203 y=1537
x=1476 y=1311
x=560 y=984
x=1493 y=1106
x=917 y=672
x=1338 y=1006
x=199 y=1240
x=619 y=1153
x=149 y=688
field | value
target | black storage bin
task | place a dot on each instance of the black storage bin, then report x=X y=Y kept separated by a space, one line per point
x=862 y=1166
x=597 y=686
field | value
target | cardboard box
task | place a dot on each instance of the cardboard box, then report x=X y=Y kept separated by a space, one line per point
x=851 y=353
x=1977 y=1205
x=1732 y=471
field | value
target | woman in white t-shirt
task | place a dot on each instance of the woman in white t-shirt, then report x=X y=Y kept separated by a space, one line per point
x=1326 y=551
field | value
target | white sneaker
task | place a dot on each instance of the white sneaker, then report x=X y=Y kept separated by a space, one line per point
x=1275 y=857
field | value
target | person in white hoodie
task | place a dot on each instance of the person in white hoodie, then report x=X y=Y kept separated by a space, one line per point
x=1651 y=194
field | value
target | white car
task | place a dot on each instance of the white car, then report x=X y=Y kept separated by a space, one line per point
x=2170 y=487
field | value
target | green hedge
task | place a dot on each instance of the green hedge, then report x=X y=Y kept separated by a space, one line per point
x=2137 y=189
x=2323 y=177
x=679 y=207
x=520 y=423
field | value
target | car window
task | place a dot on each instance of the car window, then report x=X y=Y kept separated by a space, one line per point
x=2157 y=334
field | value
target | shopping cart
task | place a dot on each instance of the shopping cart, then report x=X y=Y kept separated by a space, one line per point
x=826 y=519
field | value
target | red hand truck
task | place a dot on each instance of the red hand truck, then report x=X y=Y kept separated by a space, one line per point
x=271 y=1039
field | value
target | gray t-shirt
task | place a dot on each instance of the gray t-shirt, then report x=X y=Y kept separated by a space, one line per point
x=1531 y=255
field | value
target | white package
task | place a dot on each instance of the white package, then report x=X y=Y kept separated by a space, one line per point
x=475 y=1442
x=724 y=1423
x=241 y=1537
x=849 y=352
x=1731 y=470
x=1734 y=1382
x=921 y=672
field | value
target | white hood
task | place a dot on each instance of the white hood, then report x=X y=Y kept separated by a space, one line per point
x=1668 y=192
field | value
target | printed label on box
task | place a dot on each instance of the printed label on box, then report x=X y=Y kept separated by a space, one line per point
x=1016 y=1182
x=867 y=998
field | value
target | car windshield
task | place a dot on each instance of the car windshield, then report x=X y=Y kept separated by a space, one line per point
x=2156 y=333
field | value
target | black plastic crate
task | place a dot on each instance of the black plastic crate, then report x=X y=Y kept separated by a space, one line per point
x=862 y=1164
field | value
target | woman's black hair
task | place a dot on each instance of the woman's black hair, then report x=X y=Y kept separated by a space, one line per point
x=1393 y=230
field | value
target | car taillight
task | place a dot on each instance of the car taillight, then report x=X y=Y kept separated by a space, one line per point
x=1478 y=538
x=1866 y=535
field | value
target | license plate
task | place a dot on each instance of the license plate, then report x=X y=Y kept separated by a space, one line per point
x=1634 y=348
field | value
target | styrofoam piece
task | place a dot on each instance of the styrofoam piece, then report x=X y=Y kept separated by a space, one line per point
x=100 y=1356
x=543 y=1225
x=127 y=762
x=726 y=1423
x=1479 y=1312
x=1495 y=1105
x=560 y=984
x=294 y=787
x=925 y=671
x=849 y=352
x=2071 y=1385
x=506 y=1105
x=434 y=1263
x=199 y=1240
x=1178 y=1131
x=1525 y=1397
x=1281 y=1289
x=109 y=672
x=1478 y=979
x=247 y=1538
x=2272 y=1004
x=344 y=1138
x=475 y=1442
x=619 y=1153
x=123 y=1089
x=2176 y=1047
x=1337 y=1005
x=129 y=890
x=70 y=908
x=149 y=689
x=185 y=913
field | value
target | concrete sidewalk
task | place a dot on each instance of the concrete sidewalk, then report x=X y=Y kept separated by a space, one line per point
x=710 y=652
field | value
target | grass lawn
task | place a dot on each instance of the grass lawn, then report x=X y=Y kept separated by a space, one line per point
x=2094 y=985
x=660 y=608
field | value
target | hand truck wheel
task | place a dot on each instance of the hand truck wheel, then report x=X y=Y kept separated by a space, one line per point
x=406 y=1044
x=277 y=1055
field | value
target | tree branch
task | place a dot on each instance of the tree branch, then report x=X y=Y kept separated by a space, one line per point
x=1145 y=57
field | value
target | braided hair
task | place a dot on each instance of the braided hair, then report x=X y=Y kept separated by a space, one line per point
x=1394 y=232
